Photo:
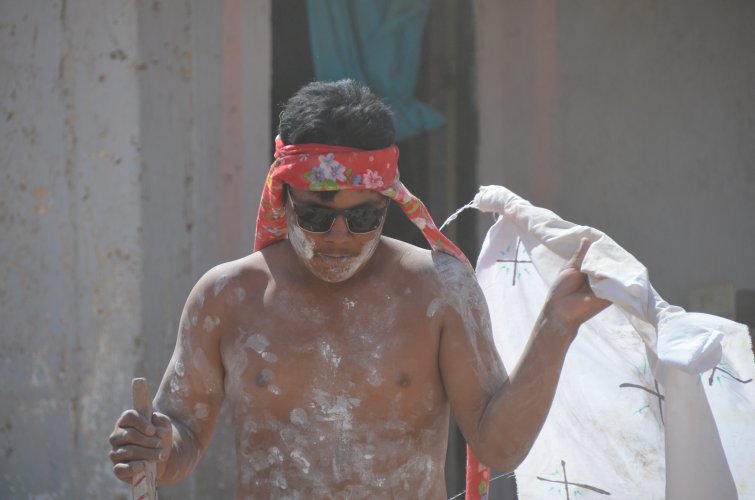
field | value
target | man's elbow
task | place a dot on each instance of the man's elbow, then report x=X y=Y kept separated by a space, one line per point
x=503 y=455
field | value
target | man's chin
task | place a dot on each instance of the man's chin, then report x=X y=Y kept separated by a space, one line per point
x=334 y=270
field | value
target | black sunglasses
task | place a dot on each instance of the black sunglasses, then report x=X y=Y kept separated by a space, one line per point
x=320 y=220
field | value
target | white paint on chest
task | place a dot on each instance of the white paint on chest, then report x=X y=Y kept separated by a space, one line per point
x=269 y=357
x=329 y=355
x=300 y=460
x=258 y=342
x=349 y=303
x=338 y=409
x=299 y=417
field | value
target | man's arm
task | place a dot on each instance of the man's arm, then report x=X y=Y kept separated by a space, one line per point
x=501 y=416
x=188 y=400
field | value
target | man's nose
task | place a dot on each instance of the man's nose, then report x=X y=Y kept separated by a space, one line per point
x=339 y=231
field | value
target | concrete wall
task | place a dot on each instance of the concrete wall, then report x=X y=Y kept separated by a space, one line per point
x=134 y=137
x=126 y=129
x=632 y=117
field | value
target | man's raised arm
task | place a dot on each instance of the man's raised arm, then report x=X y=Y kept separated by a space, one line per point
x=499 y=415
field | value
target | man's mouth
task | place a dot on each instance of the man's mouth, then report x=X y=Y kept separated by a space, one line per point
x=336 y=257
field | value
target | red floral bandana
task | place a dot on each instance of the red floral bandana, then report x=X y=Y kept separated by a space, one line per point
x=321 y=167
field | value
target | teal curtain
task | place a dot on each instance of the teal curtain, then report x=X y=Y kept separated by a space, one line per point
x=378 y=43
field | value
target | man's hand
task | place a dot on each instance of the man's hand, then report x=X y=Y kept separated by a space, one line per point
x=570 y=300
x=135 y=440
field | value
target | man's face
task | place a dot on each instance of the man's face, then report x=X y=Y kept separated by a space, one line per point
x=336 y=254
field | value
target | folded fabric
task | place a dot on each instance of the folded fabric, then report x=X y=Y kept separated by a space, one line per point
x=653 y=402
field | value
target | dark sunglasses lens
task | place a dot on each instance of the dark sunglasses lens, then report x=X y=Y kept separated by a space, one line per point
x=316 y=220
x=364 y=220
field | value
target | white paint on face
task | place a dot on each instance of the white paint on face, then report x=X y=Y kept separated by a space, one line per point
x=220 y=284
x=210 y=322
x=325 y=268
x=303 y=245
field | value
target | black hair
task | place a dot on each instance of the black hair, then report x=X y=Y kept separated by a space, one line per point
x=341 y=113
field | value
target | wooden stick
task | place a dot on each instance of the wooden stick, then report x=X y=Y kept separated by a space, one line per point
x=143 y=484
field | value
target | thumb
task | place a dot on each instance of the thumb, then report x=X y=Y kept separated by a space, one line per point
x=575 y=262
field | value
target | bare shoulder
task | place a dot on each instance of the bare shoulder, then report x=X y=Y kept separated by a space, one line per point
x=438 y=271
x=230 y=284
x=435 y=268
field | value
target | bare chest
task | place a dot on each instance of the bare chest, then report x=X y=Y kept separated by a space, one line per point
x=373 y=353
x=337 y=391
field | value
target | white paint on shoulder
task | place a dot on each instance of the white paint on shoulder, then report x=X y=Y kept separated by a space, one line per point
x=210 y=323
x=240 y=293
x=433 y=307
x=221 y=282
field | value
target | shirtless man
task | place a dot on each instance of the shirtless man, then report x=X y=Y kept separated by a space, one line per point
x=341 y=351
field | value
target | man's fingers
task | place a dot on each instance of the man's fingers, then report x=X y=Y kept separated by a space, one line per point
x=132 y=419
x=121 y=437
x=125 y=471
x=130 y=453
x=162 y=423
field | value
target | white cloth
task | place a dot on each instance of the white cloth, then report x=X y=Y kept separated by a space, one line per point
x=630 y=416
